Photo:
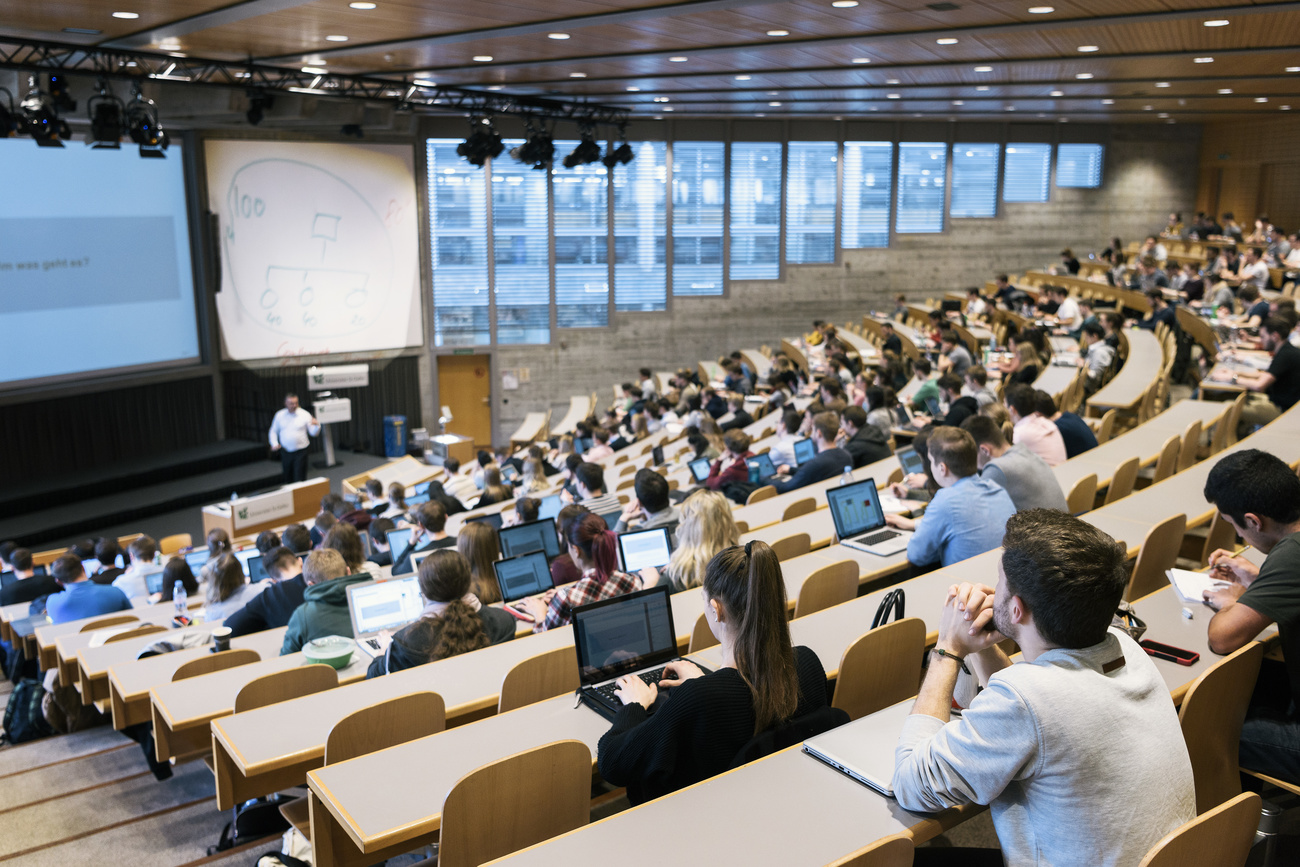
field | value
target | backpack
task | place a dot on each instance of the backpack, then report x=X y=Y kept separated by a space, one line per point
x=24 y=720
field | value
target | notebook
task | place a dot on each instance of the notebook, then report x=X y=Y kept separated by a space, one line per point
x=865 y=756
x=642 y=549
x=700 y=468
x=804 y=451
x=860 y=519
x=524 y=575
x=1191 y=586
x=382 y=605
x=533 y=536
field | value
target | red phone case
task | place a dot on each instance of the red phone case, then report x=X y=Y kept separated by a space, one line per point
x=1190 y=657
x=521 y=615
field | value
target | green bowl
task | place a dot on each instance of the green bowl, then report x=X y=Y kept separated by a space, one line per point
x=333 y=650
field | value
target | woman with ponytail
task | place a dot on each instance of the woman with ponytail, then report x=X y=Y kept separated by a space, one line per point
x=594 y=551
x=453 y=621
x=659 y=744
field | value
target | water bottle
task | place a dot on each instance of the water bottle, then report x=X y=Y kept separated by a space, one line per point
x=847 y=477
x=178 y=598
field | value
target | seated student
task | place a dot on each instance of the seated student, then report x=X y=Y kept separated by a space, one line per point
x=453 y=621
x=80 y=598
x=589 y=480
x=706 y=528
x=177 y=570
x=1278 y=388
x=830 y=460
x=1098 y=355
x=1068 y=317
x=494 y=490
x=380 y=554
x=787 y=433
x=344 y=512
x=228 y=589
x=651 y=507
x=977 y=386
x=1022 y=474
x=429 y=533
x=1081 y=729
x=1075 y=432
x=375 y=501
x=889 y=339
x=600 y=448
x=929 y=388
x=457 y=484
x=142 y=551
x=730 y=467
x=656 y=746
x=25 y=585
x=563 y=569
x=397 y=507
x=218 y=543
x=482 y=460
x=960 y=406
x=1161 y=311
x=106 y=552
x=274 y=606
x=954 y=357
x=324 y=608
x=321 y=526
x=740 y=418
x=864 y=442
x=593 y=549
x=450 y=504
x=1259 y=496
x=967 y=515
x=480 y=545
x=345 y=539
x=526 y=510
x=266 y=542
x=297 y=538
x=1030 y=429
x=1255 y=308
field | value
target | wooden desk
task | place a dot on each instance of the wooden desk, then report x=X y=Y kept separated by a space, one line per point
x=87 y=667
x=767 y=512
x=406 y=470
x=1139 y=373
x=580 y=407
x=758 y=362
x=9 y=613
x=46 y=637
x=306 y=503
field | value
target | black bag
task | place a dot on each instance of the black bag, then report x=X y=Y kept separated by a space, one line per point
x=738 y=492
x=24 y=720
x=892 y=604
x=254 y=820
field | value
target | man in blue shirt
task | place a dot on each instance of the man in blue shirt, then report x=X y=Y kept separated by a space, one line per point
x=968 y=515
x=830 y=460
x=81 y=597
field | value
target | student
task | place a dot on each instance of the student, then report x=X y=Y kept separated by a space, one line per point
x=731 y=468
x=1026 y=477
x=375 y=502
x=458 y=485
x=594 y=550
x=977 y=386
x=1259 y=496
x=142 y=552
x=657 y=747
x=601 y=449
x=651 y=507
x=954 y=357
x=1075 y=432
x=829 y=461
x=324 y=609
x=397 y=507
x=26 y=585
x=450 y=504
x=454 y=619
x=527 y=510
x=321 y=526
x=106 y=552
x=706 y=528
x=380 y=553
x=740 y=418
x=228 y=589
x=1098 y=355
x=494 y=490
x=80 y=598
x=1280 y=384
x=889 y=339
x=345 y=539
x=296 y=538
x=967 y=515
x=960 y=407
x=782 y=451
x=1160 y=312
x=218 y=543
x=864 y=442
x=1030 y=428
x=480 y=545
x=177 y=570
x=589 y=479
x=431 y=522
x=266 y=542
x=275 y=605
x=929 y=388
x=563 y=569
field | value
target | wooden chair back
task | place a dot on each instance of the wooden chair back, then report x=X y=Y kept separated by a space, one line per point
x=799 y=507
x=1107 y=426
x=1122 y=481
x=1220 y=838
x=795 y=545
x=281 y=686
x=895 y=477
x=514 y=802
x=625 y=485
x=172 y=544
x=742 y=527
x=757 y=495
x=881 y=668
x=538 y=678
x=1219 y=435
x=830 y=585
x=385 y=724
x=1211 y=717
x=1234 y=419
x=105 y=622
x=217 y=662
x=1083 y=495
x=139 y=631
x=1220 y=535
x=1187 y=452
x=1167 y=463
x=1158 y=554
x=895 y=851
x=702 y=636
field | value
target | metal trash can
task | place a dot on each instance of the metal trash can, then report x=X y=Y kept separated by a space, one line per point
x=394 y=436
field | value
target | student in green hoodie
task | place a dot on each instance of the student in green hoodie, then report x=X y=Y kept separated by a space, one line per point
x=324 y=608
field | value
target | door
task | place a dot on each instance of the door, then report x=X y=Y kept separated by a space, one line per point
x=465 y=387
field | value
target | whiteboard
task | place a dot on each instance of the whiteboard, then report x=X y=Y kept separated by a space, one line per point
x=319 y=247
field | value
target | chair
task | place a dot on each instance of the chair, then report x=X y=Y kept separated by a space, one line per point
x=172 y=544
x=795 y=545
x=1158 y=554
x=828 y=586
x=805 y=506
x=757 y=495
x=702 y=636
x=1211 y=717
x=538 y=678
x=515 y=802
x=1187 y=453
x=105 y=622
x=1106 y=426
x=895 y=851
x=284 y=685
x=895 y=477
x=625 y=485
x=1234 y=419
x=216 y=662
x=1083 y=495
x=1220 y=838
x=881 y=668
x=1122 y=481
x=742 y=527
x=138 y=632
x=1167 y=462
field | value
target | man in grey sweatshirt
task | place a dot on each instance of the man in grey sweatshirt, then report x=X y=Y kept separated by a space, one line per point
x=1076 y=748
x=1025 y=476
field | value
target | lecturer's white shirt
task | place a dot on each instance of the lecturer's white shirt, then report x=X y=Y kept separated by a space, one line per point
x=290 y=430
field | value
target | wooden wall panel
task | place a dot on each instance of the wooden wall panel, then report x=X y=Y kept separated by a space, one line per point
x=1240 y=150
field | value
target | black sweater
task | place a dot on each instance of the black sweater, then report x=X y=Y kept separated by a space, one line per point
x=269 y=609
x=694 y=732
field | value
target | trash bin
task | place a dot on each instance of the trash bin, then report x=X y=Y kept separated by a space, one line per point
x=394 y=436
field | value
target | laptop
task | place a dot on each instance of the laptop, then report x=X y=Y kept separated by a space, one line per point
x=910 y=460
x=628 y=634
x=522 y=576
x=657 y=456
x=860 y=519
x=700 y=469
x=196 y=559
x=509 y=473
x=760 y=468
x=932 y=407
x=493 y=520
x=804 y=451
x=418 y=499
x=642 y=549
x=382 y=605
x=398 y=540
x=579 y=445
x=550 y=506
x=867 y=759
x=537 y=535
x=418 y=557
x=244 y=556
x=153 y=582
x=257 y=569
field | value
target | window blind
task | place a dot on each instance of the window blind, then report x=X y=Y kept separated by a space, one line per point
x=581 y=242
x=521 y=250
x=922 y=173
x=699 y=197
x=1078 y=165
x=641 y=229
x=1024 y=175
x=810 y=190
x=755 y=211
x=868 y=170
x=458 y=247
x=974 y=180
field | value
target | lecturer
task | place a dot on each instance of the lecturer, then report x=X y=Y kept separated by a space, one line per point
x=291 y=430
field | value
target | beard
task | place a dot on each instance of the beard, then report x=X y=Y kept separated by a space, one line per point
x=1002 y=618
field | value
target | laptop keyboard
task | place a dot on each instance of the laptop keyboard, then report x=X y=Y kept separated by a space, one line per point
x=651 y=678
x=876 y=538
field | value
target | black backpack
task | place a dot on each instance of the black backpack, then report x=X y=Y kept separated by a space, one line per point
x=24 y=720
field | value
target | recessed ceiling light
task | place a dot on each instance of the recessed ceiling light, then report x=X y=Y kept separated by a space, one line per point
x=775 y=104
x=661 y=99
x=666 y=108
x=1293 y=69
x=336 y=38
x=495 y=87
x=1225 y=90
x=774 y=93
x=947 y=40
x=1065 y=120
x=894 y=95
x=482 y=58
x=742 y=78
x=983 y=69
x=891 y=81
x=1163 y=114
x=1148 y=107
x=1011 y=108
x=1202 y=60
x=1041 y=10
x=982 y=87
x=1162 y=84
x=1083 y=76
x=958 y=102
x=315 y=70
x=1108 y=102
x=778 y=33
x=1217 y=22
x=760 y=114
x=1042 y=114
x=844 y=4
x=82 y=31
x=126 y=15
x=557 y=36
x=360 y=5
x=862 y=60
x=633 y=89
x=1088 y=49
x=1261 y=99
x=577 y=75
x=677 y=60
x=1284 y=108
x=1057 y=93
x=424 y=82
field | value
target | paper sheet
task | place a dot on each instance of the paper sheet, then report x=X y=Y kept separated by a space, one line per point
x=1191 y=586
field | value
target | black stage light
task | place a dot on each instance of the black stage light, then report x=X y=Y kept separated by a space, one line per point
x=586 y=152
x=481 y=144
x=621 y=155
x=59 y=93
x=107 y=119
x=40 y=119
x=258 y=102
x=538 y=151
x=353 y=130
x=144 y=128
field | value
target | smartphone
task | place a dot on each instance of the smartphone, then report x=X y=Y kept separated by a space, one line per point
x=520 y=613
x=1169 y=652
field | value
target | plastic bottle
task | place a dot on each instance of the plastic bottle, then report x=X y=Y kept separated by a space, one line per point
x=179 y=598
x=847 y=477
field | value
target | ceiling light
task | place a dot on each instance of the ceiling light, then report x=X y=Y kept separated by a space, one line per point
x=315 y=70
x=1293 y=69
x=482 y=58
x=557 y=36
x=862 y=60
x=1011 y=108
x=537 y=151
x=844 y=4
x=677 y=59
x=1041 y=10
x=1217 y=22
x=1057 y=93
x=1202 y=60
x=774 y=93
x=495 y=87
x=1284 y=108
x=1148 y=107
x=1225 y=90
x=336 y=38
x=1163 y=114
x=774 y=104
x=127 y=15
x=958 y=102
x=983 y=69
x=143 y=127
x=778 y=33
x=1261 y=99
x=661 y=99
x=666 y=108
x=894 y=95
x=1088 y=49
x=39 y=118
x=947 y=40
x=982 y=87
x=1108 y=102
x=258 y=102
x=1162 y=84
x=633 y=89
x=620 y=155
x=891 y=81
x=760 y=114
x=424 y=82
x=1083 y=76
x=577 y=75
x=362 y=5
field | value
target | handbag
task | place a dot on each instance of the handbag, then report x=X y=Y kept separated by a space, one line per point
x=891 y=608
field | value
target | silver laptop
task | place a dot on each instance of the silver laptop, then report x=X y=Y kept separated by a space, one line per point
x=860 y=519
x=382 y=605
x=864 y=750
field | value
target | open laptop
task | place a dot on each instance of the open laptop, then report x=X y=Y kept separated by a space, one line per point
x=418 y=499
x=196 y=559
x=537 y=535
x=867 y=759
x=700 y=469
x=509 y=473
x=641 y=549
x=860 y=519
x=520 y=577
x=257 y=569
x=804 y=451
x=628 y=634
x=761 y=467
x=398 y=539
x=244 y=556
x=550 y=506
x=493 y=520
x=909 y=460
x=378 y=605
x=933 y=408
x=657 y=456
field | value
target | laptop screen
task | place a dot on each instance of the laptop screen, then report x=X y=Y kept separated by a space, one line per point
x=525 y=575
x=493 y=520
x=764 y=464
x=530 y=537
x=550 y=506
x=624 y=634
x=910 y=461
x=657 y=455
x=700 y=469
x=932 y=405
x=399 y=539
x=509 y=473
x=377 y=605
x=256 y=569
x=579 y=445
x=855 y=508
x=644 y=548
x=153 y=582
x=196 y=559
x=419 y=499
x=804 y=451
x=244 y=556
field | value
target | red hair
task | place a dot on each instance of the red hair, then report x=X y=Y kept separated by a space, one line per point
x=591 y=536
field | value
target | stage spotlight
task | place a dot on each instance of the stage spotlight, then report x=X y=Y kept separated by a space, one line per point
x=40 y=119
x=107 y=119
x=59 y=93
x=621 y=155
x=258 y=102
x=538 y=151
x=353 y=130
x=586 y=152
x=482 y=144
x=142 y=124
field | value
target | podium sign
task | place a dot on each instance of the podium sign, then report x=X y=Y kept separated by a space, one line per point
x=338 y=376
x=332 y=410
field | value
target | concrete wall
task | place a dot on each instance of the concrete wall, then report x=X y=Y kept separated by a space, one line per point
x=1149 y=171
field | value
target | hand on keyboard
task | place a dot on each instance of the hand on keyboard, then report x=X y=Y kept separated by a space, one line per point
x=677 y=673
x=631 y=689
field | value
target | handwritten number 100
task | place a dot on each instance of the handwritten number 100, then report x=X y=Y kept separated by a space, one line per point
x=246 y=206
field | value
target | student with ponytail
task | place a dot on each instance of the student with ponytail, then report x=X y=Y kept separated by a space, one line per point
x=595 y=552
x=697 y=728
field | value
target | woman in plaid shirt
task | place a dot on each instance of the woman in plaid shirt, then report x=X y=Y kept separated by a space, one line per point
x=595 y=551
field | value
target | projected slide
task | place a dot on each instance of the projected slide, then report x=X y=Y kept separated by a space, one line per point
x=319 y=248
x=95 y=268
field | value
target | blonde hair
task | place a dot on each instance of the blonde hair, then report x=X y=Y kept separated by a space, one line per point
x=705 y=528
x=711 y=432
x=479 y=544
x=534 y=476
x=1027 y=353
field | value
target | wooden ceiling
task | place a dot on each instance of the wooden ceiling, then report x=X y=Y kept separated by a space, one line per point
x=1146 y=60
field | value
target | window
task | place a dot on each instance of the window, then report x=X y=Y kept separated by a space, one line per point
x=699 y=196
x=922 y=171
x=641 y=229
x=1024 y=177
x=581 y=242
x=521 y=251
x=810 y=187
x=1078 y=165
x=755 y=211
x=868 y=169
x=974 y=180
x=458 y=247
